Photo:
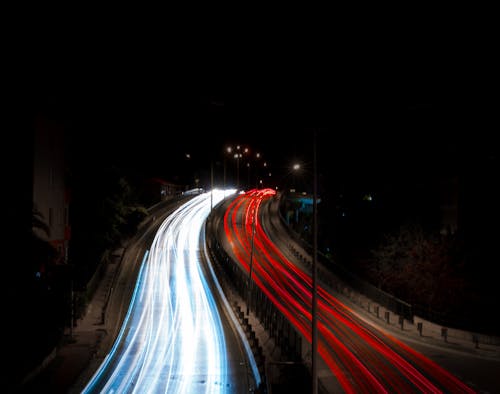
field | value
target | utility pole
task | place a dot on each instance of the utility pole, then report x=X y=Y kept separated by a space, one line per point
x=238 y=172
x=254 y=217
x=211 y=185
x=314 y=275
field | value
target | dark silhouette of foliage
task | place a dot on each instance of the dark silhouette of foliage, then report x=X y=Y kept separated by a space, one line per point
x=105 y=212
x=421 y=268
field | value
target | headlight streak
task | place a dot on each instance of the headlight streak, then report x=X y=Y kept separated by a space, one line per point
x=99 y=373
x=172 y=339
x=362 y=358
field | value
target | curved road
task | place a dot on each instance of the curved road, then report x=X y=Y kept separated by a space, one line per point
x=176 y=336
x=362 y=358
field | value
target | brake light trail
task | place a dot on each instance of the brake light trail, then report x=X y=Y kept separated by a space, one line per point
x=362 y=358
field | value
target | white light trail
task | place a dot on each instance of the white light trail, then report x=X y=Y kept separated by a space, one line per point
x=172 y=339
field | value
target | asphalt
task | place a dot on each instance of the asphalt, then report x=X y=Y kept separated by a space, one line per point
x=69 y=368
x=474 y=362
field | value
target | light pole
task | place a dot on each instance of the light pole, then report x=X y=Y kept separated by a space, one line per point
x=314 y=307
x=296 y=167
x=257 y=160
x=314 y=276
x=228 y=150
x=211 y=185
x=254 y=217
x=261 y=184
x=248 y=176
x=237 y=156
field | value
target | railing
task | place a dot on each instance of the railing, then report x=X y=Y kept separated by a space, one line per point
x=276 y=324
x=330 y=273
x=283 y=333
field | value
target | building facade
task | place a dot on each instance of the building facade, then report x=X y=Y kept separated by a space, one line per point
x=51 y=197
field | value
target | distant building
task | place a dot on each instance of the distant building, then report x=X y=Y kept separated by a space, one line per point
x=51 y=196
x=157 y=189
x=298 y=212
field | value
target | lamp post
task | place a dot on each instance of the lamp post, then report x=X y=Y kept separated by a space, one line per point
x=296 y=167
x=248 y=175
x=254 y=217
x=314 y=307
x=227 y=150
x=314 y=275
x=237 y=156
x=211 y=185
x=257 y=160
x=261 y=184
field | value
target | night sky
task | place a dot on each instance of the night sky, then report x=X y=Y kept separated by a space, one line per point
x=383 y=97
x=391 y=105
x=142 y=129
x=399 y=117
x=194 y=88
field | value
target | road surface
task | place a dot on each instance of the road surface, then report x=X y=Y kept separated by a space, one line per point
x=176 y=336
x=361 y=357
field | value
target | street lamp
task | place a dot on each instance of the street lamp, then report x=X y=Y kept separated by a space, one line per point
x=248 y=175
x=315 y=275
x=211 y=185
x=295 y=170
x=314 y=307
x=261 y=184
x=238 y=156
x=227 y=150
x=254 y=218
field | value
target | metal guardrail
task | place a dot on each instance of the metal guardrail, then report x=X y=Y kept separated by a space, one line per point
x=327 y=267
x=406 y=310
x=284 y=334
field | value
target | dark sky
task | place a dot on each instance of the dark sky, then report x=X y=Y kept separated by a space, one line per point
x=151 y=127
x=380 y=100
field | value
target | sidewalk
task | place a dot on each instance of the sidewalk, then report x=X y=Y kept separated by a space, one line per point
x=68 y=369
x=72 y=364
x=420 y=329
x=64 y=371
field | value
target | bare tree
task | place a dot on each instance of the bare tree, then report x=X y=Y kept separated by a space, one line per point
x=421 y=268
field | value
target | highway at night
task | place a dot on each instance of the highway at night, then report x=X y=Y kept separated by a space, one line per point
x=362 y=358
x=176 y=336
